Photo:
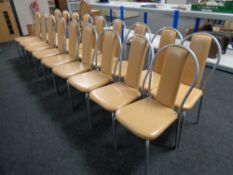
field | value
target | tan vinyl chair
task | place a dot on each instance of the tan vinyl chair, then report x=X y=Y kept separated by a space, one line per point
x=200 y=44
x=57 y=16
x=137 y=28
x=68 y=70
x=23 y=40
x=75 y=16
x=40 y=45
x=39 y=55
x=116 y=95
x=167 y=36
x=150 y=117
x=86 y=82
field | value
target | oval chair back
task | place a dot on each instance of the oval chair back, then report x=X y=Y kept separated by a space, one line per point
x=51 y=31
x=118 y=25
x=75 y=16
x=43 y=22
x=66 y=17
x=100 y=23
x=109 y=37
x=167 y=36
x=139 y=47
x=88 y=53
x=74 y=39
x=62 y=35
x=57 y=15
x=171 y=75
x=36 y=27
x=200 y=44
x=86 y=19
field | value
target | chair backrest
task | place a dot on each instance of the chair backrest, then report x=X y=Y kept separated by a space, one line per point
x=57 y=15
x=88 y=34
x=62 y=35
x=66 y=16
x=86 y=19
x=137 y=54
x=168 y=36
x=37 y=24
x=99 y=23
x=84 y=8
x=174 y=63
x=118 y=25
x=108 y=38
x=75 y=16
x=139 y=28
x=43 y=21
x=200 y=44
x=51 y=31
x=74 y=39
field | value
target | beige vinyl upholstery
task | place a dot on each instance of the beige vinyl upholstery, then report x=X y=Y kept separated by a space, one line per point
x=57 y=15
x=149 y=118
x=200 y=44
x=116 y=95
x=43 y=44
x=51 y=37
x=66 y=16
x=88 y=81
x=70 y=69
x=86 y=19
x=99 y=25
x=63 y=57
x=25 y=41
x=168 y=36
x=75 y=16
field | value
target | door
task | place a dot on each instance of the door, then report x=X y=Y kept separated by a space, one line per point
x=8 y=26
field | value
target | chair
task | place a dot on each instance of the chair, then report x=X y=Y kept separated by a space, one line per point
x=84 y=8
x=65 y=71
x=66 y=17
x=29 y=39
x=118 y=94
x=167 y=36
x=40 y=45
x=86 y=82
x=86 y=19
x=150 y=117
x=75 y=16
x=57 y=15
x=39 y=55
x=137 y=28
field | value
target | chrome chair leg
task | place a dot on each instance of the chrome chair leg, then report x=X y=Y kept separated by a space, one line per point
x=70 y=97
x=114 y=131
x=181 y=127
x=56 y=84
x=147 y=144
x=88 y=108
x=199 y=110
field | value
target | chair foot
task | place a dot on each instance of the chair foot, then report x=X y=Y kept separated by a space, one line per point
x=69 y=93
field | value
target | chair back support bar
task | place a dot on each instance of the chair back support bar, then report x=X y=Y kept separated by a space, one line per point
x=51 y=31
x=62 y=35
x=43 y=25
x=200 y=44
x=88 y=35
x=74 y=39
x=168 y=36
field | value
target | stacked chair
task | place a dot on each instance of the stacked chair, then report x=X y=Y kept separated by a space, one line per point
x=146 y=92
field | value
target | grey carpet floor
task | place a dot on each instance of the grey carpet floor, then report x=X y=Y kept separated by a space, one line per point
x=41 y=135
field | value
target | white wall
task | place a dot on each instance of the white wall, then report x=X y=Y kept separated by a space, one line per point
x=24 y=12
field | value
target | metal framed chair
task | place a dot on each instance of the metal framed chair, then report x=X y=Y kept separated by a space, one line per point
x=168 y=36
x=200 y=44
x=116 y=95
x=148 y=118
x=137 y=28
x=86 y=82
x=65 y=71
